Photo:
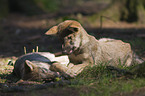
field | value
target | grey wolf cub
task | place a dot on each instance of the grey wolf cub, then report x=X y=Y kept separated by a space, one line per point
x=36 y=66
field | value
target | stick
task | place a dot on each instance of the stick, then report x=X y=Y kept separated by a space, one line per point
x=37 y=48
x=25 y=52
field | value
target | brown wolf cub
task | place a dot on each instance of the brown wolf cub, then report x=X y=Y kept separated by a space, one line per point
x=84 y=49
x=36 y=66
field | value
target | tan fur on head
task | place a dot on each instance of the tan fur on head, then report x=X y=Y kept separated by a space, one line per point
x=68 y=23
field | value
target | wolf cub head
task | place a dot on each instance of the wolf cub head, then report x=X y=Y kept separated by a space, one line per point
x=36 y=72
x=69 y=33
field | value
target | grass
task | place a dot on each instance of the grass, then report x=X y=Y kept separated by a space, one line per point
x=5 y=69
x=103 y=82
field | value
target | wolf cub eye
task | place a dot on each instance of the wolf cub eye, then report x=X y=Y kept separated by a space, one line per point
x=69 y=37
x=75 y=29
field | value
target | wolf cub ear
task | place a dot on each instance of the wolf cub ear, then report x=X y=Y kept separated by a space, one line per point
x=52 y=31
x=28 y=66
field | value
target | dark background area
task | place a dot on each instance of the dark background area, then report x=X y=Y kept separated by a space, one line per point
x=24 y=22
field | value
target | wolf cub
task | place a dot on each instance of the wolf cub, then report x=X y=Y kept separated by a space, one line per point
x=36 y=66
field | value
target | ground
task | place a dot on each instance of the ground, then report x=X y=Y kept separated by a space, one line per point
x=18 y=30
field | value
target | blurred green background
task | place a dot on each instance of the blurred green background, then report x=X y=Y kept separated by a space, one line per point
x=124 y=10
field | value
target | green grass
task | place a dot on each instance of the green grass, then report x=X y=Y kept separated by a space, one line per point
x=5 y=69
x=103 y=82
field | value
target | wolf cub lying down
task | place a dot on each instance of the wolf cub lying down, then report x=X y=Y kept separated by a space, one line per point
x=36 y=66
x=84 y=50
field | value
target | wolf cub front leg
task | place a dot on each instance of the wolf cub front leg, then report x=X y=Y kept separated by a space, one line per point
x=69 y=71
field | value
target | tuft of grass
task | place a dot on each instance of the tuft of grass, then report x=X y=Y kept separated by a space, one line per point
x=5 y=69
x=93 y=72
